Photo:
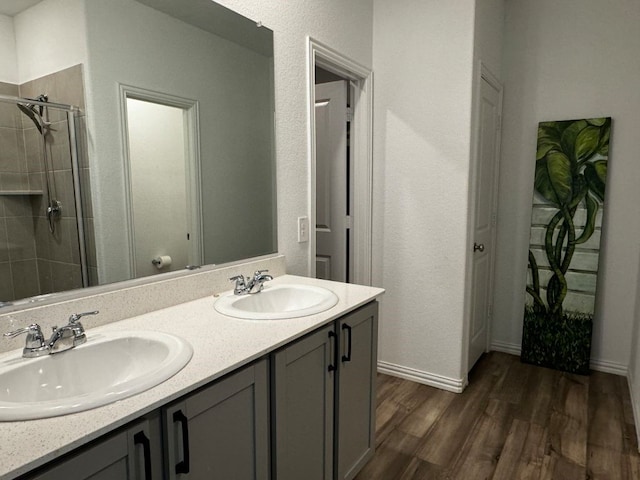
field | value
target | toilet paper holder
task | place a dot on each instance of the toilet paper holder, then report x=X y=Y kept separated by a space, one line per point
x=161 y=261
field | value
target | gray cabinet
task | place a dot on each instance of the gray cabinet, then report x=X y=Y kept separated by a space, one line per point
x=356 y=392
x=324 y=400
x=222 y=431
x=303 y=379
x=134 y=453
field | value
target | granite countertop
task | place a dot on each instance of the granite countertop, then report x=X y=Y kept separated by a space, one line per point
x=220 y=344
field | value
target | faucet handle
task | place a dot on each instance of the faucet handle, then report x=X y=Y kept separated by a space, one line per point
x=259 y=277
x=34 y=345
x=241 y=284
x=75 y=318
x=79 y=337
x=33 y=330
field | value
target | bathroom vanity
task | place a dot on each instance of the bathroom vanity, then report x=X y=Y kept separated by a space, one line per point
x=260 y=399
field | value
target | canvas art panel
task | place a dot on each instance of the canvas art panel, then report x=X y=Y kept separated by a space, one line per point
x=564 y=246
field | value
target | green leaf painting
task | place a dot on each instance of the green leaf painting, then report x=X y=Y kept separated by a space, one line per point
x=570 y=178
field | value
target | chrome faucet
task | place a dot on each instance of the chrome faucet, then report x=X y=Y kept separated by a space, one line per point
x=256 y=284
x=250 y=285
x=63 y=338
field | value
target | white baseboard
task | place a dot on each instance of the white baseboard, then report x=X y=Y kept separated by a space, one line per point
x=604 y=366
x=609 y=367
x=504 y=347
x=426 y=378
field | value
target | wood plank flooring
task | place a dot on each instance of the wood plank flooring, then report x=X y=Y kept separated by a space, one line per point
x=513 y=422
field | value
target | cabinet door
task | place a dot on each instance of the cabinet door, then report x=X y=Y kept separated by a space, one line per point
x=221 y=432
x=303 y=387
x=131 y=454
x=355 y=400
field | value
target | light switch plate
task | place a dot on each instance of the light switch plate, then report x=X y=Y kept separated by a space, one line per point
x=303 y=229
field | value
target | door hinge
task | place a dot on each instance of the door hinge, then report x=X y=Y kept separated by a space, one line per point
x=349 y=221
x=349 y=114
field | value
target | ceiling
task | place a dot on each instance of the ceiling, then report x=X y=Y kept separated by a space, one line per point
x=13 y=7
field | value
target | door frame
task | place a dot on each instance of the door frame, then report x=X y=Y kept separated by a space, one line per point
x=361 y=79
x=483 y=73
x=190 y=110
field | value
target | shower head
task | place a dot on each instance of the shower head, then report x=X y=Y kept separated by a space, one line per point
x=34 y=112
x=31 y=112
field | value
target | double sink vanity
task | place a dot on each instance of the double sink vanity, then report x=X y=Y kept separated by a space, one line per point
x=272 y=384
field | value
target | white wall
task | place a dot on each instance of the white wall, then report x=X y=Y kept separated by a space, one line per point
x=423 y=64
x=50 y=37
x=567 y=60
x=8 y=59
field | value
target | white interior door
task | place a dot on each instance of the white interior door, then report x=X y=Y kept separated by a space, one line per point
x=331 y=180
x=485 y=214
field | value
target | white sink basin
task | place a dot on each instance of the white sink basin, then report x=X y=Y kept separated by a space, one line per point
x=109 y=367
x=277 y=302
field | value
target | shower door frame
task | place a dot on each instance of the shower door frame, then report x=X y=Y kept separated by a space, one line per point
x=72 y=111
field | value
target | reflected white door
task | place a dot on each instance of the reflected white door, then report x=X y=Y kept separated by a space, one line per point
x=331 y=181
x=485 y=214
x=158 y=165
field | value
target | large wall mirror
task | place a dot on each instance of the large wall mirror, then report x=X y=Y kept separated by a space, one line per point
x=137 y=139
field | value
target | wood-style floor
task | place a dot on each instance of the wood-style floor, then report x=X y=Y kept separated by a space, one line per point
x=513 y=422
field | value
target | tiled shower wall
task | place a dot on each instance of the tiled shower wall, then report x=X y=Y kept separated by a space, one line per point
x=18 y=265
x=44 y=262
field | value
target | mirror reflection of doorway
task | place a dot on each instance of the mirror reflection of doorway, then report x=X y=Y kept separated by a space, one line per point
x=163 y=222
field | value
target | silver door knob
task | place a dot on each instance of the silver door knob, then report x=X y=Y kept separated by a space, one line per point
x=478 y=247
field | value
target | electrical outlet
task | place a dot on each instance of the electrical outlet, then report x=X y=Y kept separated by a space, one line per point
x=303 y=229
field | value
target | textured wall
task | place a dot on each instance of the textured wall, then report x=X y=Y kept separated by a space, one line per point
x=423 y=62
x=555 y=68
